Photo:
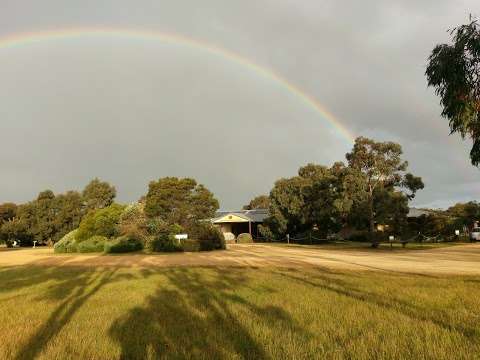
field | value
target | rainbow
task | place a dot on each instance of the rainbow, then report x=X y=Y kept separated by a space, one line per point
x=23 y=39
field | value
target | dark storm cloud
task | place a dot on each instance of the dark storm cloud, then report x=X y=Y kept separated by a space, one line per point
x=134 y=111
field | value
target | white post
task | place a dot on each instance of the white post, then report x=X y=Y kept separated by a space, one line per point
x=288 y=238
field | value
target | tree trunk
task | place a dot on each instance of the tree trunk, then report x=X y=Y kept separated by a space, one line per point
x=372 y=222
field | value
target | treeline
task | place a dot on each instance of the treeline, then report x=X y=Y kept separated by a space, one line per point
x=91 y=221
x=373 y=187
x=49 y=217
x=443 y=223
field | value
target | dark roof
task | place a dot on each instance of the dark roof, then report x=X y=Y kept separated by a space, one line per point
x=255 y=215
x=415 y=212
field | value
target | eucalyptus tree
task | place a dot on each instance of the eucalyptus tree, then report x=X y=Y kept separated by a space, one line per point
x=454 y=71
x=382 y=169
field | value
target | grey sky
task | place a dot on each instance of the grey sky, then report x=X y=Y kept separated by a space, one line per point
x=130 y=111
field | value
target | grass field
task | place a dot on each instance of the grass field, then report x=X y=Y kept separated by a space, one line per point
x=211 y=313
x=382 y=246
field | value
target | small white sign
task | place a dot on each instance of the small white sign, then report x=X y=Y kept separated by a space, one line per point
x=391 y=237
x=181 y=236
x=457 y=232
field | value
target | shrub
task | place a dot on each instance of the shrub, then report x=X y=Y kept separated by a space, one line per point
x=244 y=238
x=67 y=244
x=123 y=244
x=266 y=233
x=191 y=245
x=133 y=221
x=359 y=237
x=102 y=222
x=209 y=237
x=94 y=244
x=155 y=226
x=165 y=242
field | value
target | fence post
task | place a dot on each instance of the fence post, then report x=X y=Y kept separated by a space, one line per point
x=288 y=238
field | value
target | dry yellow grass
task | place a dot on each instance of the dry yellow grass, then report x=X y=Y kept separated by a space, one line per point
x=460 y=259
x=68 y=312
x=252 y=301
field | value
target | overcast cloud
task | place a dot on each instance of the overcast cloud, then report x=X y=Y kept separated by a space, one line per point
x=131 y=111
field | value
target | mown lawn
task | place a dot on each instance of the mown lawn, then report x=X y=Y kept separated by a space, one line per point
x=212 y=313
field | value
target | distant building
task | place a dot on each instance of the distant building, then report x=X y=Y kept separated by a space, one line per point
x=233 y=223
x=415 y=212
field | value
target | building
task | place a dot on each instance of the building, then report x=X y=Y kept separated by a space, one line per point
x=233 y=223
x=416 y=212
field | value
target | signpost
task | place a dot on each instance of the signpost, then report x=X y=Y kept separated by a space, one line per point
x=180 y=237
x=391 y=238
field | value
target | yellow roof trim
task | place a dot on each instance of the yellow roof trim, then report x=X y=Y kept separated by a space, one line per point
x=230 y=218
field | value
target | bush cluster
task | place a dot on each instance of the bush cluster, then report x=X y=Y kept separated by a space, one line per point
x=244 y=238
x=95 y=244
x=123 y=244
x=208 y=236
x=119 y=229
x=102 y=222
x=191 y=245
x=67 y=244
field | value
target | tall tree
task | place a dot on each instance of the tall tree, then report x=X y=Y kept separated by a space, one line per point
x=180 y=201
x=98 y=194
x=258 y=202
x=319 y=197
x=467 y=213
x=454 y=71
x=69 y=210
x=382 y=168
x=7 y=212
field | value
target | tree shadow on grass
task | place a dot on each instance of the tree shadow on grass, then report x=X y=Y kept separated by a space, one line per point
x=193 y=317
x=82 y=288
x=331 y=281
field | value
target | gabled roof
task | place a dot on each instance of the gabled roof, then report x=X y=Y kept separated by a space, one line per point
x=255 y=215
x=415 y=212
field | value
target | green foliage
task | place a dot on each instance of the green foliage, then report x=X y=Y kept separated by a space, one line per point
x=259 y=202
x=94 y=244
x=266 y=233
x=68 y=244
x=179 y=201
x=374 y=187
x=103 y=222
x=133 y=221
x=69 y=212
x=7 y=212
x=98 y=194
x=454 y=71
x=15 y=229
x=164 y=240
x=382 y=170
x=467 y=213
x=46 y=219
x=123 y=244
x=318 y=197
x=391 y=208
x=361 y=236
x=209 y=237
x=191 y=245
x=244 y=238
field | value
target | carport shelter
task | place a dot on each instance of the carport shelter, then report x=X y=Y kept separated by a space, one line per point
x=238 y=222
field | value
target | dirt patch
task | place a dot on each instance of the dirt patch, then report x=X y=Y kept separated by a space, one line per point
x=462 y=259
